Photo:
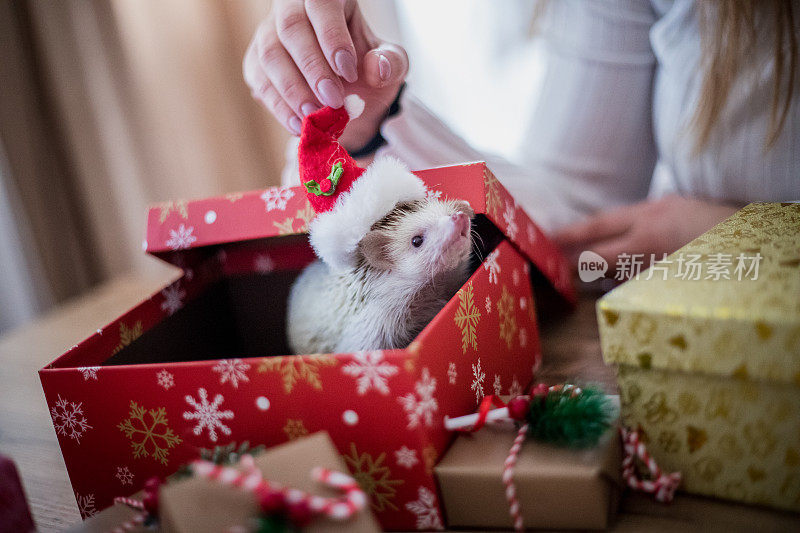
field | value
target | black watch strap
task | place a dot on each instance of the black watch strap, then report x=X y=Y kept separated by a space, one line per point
x=377 y=140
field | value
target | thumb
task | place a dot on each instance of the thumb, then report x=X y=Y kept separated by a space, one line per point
x=386 y=67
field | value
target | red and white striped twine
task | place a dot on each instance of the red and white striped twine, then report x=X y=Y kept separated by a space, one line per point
x=661 y=485
x=134 y=522
x=250 y=479
x=508 y=478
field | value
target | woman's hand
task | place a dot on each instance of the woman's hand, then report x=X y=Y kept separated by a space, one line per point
x=653 y=227
x=312 y=53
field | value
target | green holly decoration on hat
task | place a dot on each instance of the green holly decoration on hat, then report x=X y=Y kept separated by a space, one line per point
x=327 y=186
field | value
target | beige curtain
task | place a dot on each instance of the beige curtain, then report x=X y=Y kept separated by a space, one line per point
x=106 y=107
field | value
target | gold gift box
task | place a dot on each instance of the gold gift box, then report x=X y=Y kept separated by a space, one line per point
x=708 y=357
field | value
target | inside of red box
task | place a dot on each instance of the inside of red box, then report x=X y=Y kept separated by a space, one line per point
x=243 y=313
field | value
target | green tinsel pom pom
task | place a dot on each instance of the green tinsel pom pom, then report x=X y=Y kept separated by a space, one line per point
x=274 y=524
x=567 y=419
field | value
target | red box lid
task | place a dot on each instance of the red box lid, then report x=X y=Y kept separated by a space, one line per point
x=177 y=226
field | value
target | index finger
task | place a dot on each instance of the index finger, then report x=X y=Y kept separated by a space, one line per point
x=329 y=20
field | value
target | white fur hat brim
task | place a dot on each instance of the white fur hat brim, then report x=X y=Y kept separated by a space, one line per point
x=335 y=234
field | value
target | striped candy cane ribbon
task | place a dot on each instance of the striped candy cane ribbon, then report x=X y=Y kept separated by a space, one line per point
x=661 y=485
x=134 y=522
x=250 y=479
x=508 y=478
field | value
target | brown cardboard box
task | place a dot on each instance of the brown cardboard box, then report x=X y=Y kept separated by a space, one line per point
x=557 y=488
x=107 y=520
x=196 y=505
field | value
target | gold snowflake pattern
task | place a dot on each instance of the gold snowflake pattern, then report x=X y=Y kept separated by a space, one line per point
x=149 y=432
x=127 y=335
x=294 y=429
x=234 y=197
x=492 y=194
x=374 y=478
x=297 y=368
x=467 y=317
x=305 y=215
x=508 y=318
x=285 y=227
x=179 y=206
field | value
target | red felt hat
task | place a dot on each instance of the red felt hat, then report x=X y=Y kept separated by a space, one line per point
x=347 y=199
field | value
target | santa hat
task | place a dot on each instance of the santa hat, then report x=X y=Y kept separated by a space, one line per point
x=347 y=199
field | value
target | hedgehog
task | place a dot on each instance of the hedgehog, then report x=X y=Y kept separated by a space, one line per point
x=406 y=268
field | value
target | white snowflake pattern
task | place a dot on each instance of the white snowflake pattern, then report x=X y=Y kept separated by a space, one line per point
x=406 y=457
x=523 y=337
x=89 y=372
x=173 y=298
x=433 y=195
x=515 y=276
x=86 y=505
x=452 y=373
x=421 y=410
x=515 y=389
x=181 y=238
x=497 y=386
x=276 y=197
x=477 y=383
x=509 y=215
x=165 y=379
x=264 y=264
x=370 y=371
x=426 y=510
x=68 y=419
x=523 y=303
x=207 y=414
x=124 y=475
x=492 y=266
x=488 y=305
x=233 y=371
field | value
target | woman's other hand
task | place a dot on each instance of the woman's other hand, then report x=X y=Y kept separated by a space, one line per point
x=653 y=227
x=312 y=53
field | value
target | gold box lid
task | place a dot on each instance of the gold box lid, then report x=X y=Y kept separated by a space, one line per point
x=727 y=303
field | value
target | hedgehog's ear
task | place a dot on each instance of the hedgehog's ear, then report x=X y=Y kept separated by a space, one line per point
x=462 y=206
x=375 y=248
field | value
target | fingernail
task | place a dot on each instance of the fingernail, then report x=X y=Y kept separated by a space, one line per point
x=384 y=68
x=308 y=108
x=294 y=125
x=330 y=93
x=346 y=65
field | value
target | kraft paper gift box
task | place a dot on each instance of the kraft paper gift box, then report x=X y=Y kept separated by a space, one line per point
x=109 y=519
x=557 y=488
x=198 y=505
x=709 y=368
x=203 y=362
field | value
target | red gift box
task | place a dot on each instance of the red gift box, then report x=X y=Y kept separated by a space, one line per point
x=197 y=364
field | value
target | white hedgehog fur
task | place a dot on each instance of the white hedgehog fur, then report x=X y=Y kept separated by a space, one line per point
x=369 y=307
x=335 y=234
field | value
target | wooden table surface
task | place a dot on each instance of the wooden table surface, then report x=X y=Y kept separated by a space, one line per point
x=570 y=346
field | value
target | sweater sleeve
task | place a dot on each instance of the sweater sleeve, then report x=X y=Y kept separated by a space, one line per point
x=589 y=142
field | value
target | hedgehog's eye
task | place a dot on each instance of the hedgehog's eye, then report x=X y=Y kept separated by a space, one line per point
x=416 y=241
